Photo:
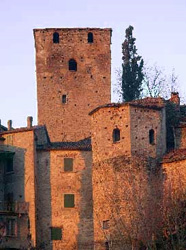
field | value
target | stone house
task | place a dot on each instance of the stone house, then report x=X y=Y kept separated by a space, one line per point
x=91 y=170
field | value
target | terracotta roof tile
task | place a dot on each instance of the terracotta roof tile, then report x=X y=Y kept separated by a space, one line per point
x=175 y=155
x=17 y=130
x=84 y=145
x=149 y=102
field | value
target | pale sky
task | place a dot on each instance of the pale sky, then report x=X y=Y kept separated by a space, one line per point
x=159 y=28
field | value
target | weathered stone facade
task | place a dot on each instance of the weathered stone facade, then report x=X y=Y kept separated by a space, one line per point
x=102 y=177
x=85 y=87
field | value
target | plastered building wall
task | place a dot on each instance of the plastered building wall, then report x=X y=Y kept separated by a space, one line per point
x=175 y=178
x=77 y=222
x=174 y=196
x=23 y=185
x=85 y=89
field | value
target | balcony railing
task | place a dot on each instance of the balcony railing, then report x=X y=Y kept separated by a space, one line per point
x=14 y=207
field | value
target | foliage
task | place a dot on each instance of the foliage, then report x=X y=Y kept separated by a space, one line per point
x=132 y=68
x=145 y=206
x=156 y=83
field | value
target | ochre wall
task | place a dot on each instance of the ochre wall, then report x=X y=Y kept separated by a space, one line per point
x=77 y=222
x=24 y=164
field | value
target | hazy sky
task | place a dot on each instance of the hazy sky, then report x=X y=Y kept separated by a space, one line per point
x=159 y=27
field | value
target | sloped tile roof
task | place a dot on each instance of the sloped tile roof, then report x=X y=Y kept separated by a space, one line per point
x=148 y=102
x=83 y=145
x=175 y=155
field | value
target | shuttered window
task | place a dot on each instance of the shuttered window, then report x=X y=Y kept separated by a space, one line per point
x=69 y=200
x=68 y=164
x=56 y=233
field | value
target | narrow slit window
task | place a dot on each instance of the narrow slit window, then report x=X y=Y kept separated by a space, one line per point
x=116 y=135
x=90 y=37
x=64 y=99
x=56 y=37
x=151 y=136
x=72 y=65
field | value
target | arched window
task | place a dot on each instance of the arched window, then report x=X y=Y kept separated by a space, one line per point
x=72 y=64
x=151 y=136
x=90 y=37
x=56 y=37
x=116 y=135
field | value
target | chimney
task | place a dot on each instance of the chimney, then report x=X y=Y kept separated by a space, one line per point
x=9 y=124
x=29 y=121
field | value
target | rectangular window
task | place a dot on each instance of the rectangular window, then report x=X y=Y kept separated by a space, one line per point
x=11 y=227
x=64 y=99
x=9 y=165
x=69 y=200
x=68 y=164
x=56 y=233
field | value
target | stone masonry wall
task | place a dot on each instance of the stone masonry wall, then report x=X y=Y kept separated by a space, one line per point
x=86 y=88
x=142 y=121
x=126 y=213
x=77 y=222
x=104 y=121
x=126 y=190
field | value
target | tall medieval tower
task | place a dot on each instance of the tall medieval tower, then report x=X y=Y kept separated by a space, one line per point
x=73 y=77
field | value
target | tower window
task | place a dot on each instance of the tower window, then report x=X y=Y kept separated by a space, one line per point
x=69 y=200
x=56 y=37
x=151 y=136
x=72 y=65
x=64 y=99
x=116 y=135
x=90 y=37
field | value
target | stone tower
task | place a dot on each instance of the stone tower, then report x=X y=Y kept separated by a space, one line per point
x=73 y=77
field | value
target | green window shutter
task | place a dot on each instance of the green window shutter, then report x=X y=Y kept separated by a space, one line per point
x=56 y=233
x=69 y=200
x=68 y=164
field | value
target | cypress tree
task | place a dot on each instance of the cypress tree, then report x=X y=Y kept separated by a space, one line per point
x=132 y=68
